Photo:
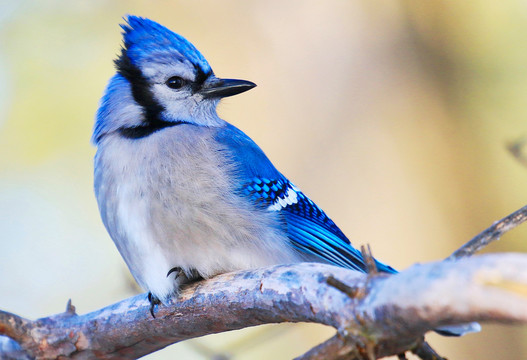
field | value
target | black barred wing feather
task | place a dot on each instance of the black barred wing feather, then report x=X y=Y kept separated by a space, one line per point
x=308 y=227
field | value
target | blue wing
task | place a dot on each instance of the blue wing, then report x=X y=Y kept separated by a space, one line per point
x=310 y=230
x=308 y=227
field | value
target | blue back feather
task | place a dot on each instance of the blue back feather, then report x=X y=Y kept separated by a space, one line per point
x=245 y=154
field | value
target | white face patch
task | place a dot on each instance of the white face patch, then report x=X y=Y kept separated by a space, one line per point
x=289 y=198
x=158 y=70
x=179 y=104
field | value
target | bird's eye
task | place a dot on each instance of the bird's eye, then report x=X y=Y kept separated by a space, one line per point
x=175 y=82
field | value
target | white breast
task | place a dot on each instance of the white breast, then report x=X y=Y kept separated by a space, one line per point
x=168 y=201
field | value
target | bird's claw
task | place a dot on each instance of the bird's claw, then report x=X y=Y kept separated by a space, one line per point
x=179 y=271
x=153 y=302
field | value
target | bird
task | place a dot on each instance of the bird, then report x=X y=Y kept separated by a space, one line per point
x=184 y=194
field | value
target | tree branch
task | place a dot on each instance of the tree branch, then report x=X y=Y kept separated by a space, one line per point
x=390 y=316
x=494 y=232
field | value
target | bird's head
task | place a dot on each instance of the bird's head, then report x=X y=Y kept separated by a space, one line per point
x=161 y=79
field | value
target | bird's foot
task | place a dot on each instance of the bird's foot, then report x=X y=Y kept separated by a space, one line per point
x=183 y=277
x=153 y=302
x=179 y=272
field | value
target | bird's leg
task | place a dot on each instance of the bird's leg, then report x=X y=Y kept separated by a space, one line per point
x=153 y=302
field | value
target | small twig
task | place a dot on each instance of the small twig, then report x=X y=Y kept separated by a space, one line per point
x=70 y=309
x=371 y=266
x=335 y=348
x=353 y=292
x=502 y=226
x=425 y=352
x=356 y=292
x=491 y=234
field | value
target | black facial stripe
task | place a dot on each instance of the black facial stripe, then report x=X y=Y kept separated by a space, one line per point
x=140 y=88
x=142 y=93
x=201 y=76
x=138 y=132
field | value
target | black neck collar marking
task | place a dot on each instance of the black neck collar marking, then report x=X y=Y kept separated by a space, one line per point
x=138 y=132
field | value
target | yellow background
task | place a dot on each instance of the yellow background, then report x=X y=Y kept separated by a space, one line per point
x=392 y=115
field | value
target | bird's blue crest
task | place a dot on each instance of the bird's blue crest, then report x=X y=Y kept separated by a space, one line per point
x=144 y=37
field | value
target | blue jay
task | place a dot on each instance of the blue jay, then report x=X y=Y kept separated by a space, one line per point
x=183 y=193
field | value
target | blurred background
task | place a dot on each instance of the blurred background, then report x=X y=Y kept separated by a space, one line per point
x=394 y=116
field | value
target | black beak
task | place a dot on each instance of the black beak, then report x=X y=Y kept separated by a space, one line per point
x=220 y=88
